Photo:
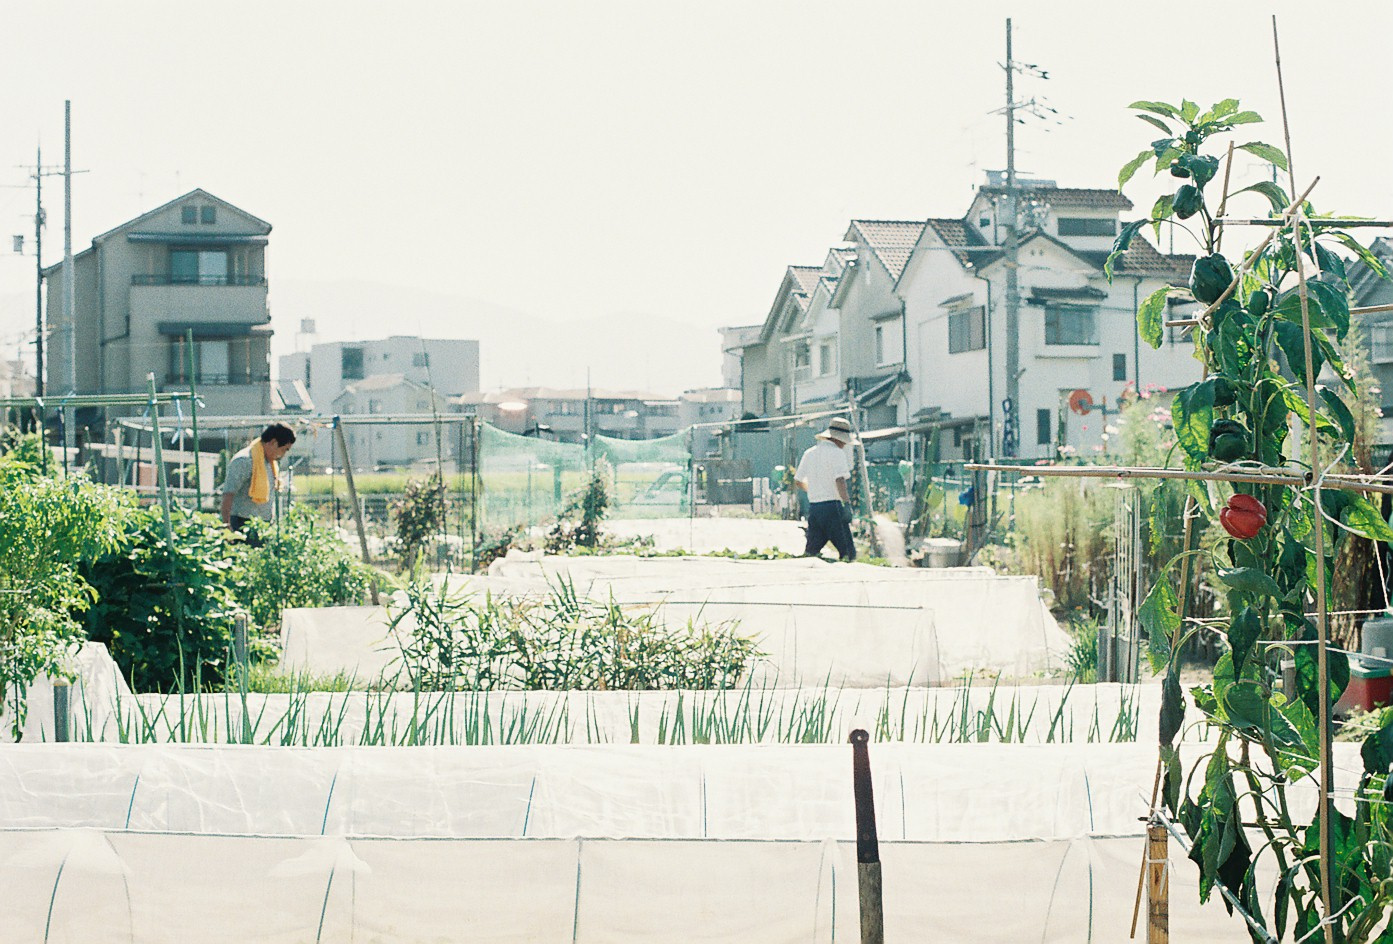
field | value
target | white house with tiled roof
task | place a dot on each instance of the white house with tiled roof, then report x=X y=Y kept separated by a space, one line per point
x=1077 y=330
x=908 y=317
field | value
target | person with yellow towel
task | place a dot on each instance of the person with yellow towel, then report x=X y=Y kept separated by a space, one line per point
x=251 y=479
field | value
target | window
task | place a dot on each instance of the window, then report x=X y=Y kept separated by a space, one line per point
x=208 y=215
x=826 y=359
x=420 y=360
x=423 y=404
x=1043 y=434
x=188 y=214
x=1119 y=367
x=984 y=222
x=1071 y=324
x=375 y=406
x=386 y=355
x=351 y=363
x=802 y=361
x=198 y=266
x=967 y=330
x=1381 y=343
x=880 y=344
x=423 y=439
x=1087 y=226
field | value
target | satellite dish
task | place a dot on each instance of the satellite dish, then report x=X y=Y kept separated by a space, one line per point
x=1081 y=402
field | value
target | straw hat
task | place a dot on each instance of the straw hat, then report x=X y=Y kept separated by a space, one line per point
x=838 y=431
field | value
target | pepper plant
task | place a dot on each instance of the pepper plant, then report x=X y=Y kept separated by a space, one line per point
x=1234 y=801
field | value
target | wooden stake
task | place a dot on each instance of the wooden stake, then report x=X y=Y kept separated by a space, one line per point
x=353 y=499
x=1261 y=476
x=867 y=843
x=1157 y=885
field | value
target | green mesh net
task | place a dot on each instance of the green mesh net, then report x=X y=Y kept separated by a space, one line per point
x=528 y=480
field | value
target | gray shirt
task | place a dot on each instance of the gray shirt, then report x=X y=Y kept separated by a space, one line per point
x=237 y=483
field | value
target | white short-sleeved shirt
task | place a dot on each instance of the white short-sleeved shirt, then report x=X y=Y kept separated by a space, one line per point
x=820 y=468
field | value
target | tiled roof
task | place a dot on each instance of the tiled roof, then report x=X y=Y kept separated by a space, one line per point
x=957 y=234
x=1072 y=198
x=805 y=277
x=1142 y=258
x=892 y=241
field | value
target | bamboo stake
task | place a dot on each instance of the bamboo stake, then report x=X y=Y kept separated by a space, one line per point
x=1218 y=221
x=353 y=499
x=1318 y=221
x=1313 y=445
x=1370 y=309
x=867 y=843
x=1346 y=483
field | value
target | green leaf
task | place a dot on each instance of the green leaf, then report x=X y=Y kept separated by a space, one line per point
x=1374 y=263
x=1249 y=709
x=1252 y=581
x=1291 y=339
x=1265 y=151
x=1192 y=413
x=1331 y=263
x=1243 y=118
x=1274 y=194
x=1334 y=305
x=1158 y=123
x=1172 y=708
x=1339 y=412
x=1377 y=751
x=1361 y=517
x=1244 y=630
x=1159 y=108
x=1121 y=243
x=1227 y=107
x=1130 y=169
x=1151 y=317
x=1189 y=110
x=1160 y=618
x=1163 y=209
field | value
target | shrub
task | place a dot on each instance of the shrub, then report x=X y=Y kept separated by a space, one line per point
x=48 y=529
x=562 y=642
x=166 y=611
x=302 y=562
x=578 y=525
x=419 y=516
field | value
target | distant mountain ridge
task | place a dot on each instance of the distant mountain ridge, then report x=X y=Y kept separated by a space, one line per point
x=632 y=351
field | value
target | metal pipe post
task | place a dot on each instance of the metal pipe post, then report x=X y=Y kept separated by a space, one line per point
x=867 y=843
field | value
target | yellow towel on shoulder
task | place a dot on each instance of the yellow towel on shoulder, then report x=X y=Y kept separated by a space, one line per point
x=260 y=489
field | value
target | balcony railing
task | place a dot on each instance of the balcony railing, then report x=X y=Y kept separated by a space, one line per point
x=218 y=380
x=198 y=280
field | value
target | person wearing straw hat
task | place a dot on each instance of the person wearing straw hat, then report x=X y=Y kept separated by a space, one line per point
x=823 y=473
x=251 y=479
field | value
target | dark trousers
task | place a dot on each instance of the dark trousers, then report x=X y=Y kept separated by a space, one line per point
x=247 y=527
x=825 y=524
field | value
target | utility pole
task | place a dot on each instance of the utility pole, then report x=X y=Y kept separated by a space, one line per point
x=38 y=174
x=69 y=282
x=1012 y=434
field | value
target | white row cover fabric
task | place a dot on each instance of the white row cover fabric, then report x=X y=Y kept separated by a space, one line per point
x=924 y=793
x=96 y=682
x=74 y=886
x=708 y=535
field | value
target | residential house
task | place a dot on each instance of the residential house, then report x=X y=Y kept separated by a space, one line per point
x=566 y=415
x=1367 y=290
x=196 y=264
x=733 y=341
x=388 y=443
x=448 y=366
x=704 y=412
x=908 y=318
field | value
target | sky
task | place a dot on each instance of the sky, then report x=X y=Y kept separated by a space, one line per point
x=531 y=173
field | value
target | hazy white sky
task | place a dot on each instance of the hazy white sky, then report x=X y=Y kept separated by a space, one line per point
x=575 y=160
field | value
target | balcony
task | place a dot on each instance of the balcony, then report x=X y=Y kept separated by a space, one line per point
x=198 y=280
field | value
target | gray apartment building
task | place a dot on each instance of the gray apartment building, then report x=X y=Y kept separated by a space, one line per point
x=450 y=367
x=196 y=263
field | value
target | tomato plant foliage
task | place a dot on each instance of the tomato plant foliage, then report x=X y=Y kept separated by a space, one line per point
x=1233 y=803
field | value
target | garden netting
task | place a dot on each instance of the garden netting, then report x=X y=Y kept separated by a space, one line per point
x=530 y=480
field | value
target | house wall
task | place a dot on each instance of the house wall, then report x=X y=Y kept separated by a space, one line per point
x=394 y=444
